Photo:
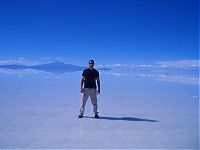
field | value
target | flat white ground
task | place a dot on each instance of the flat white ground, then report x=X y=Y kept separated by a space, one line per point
x=39 y=112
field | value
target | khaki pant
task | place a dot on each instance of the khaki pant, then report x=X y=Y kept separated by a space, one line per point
x=93 y=96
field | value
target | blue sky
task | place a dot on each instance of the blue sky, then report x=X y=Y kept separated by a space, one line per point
x=109 y=31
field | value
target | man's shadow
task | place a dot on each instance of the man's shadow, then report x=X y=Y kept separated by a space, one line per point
x=123 y=118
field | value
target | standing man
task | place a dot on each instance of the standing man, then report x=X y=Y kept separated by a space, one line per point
x=89 y=78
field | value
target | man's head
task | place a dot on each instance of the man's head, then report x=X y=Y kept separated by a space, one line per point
x=91 y=63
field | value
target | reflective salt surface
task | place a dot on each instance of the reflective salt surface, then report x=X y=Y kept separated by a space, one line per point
x=144 y=107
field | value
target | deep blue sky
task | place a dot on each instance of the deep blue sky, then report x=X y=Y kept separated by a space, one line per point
x=109 y=31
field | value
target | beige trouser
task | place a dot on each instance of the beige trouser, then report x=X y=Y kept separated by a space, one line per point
x=93 y=96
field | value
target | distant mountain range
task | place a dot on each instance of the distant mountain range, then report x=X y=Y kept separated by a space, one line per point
x=54 y=67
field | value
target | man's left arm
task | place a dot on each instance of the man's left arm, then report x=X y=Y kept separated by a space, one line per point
x=98 y=85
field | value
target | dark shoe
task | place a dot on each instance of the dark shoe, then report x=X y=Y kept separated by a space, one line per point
x=80 y=116
x=96 y=116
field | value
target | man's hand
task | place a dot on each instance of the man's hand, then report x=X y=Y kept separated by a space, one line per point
x=81 y=90
x=98 y=84
x=82 y=81
x=98 y=92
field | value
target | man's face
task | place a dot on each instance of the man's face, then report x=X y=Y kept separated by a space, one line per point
x=91 y=65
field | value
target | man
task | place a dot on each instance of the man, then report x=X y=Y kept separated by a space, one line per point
x=89 y=78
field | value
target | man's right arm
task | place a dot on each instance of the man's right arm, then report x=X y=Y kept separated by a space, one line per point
x=82 y=81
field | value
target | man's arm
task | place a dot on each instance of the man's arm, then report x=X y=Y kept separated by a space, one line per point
x=98 y=84
x=82 y=81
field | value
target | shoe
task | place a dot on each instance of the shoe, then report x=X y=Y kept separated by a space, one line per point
x=80 y=116
x=96 y=116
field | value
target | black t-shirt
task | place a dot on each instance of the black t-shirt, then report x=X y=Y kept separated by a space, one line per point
x=90 y=76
